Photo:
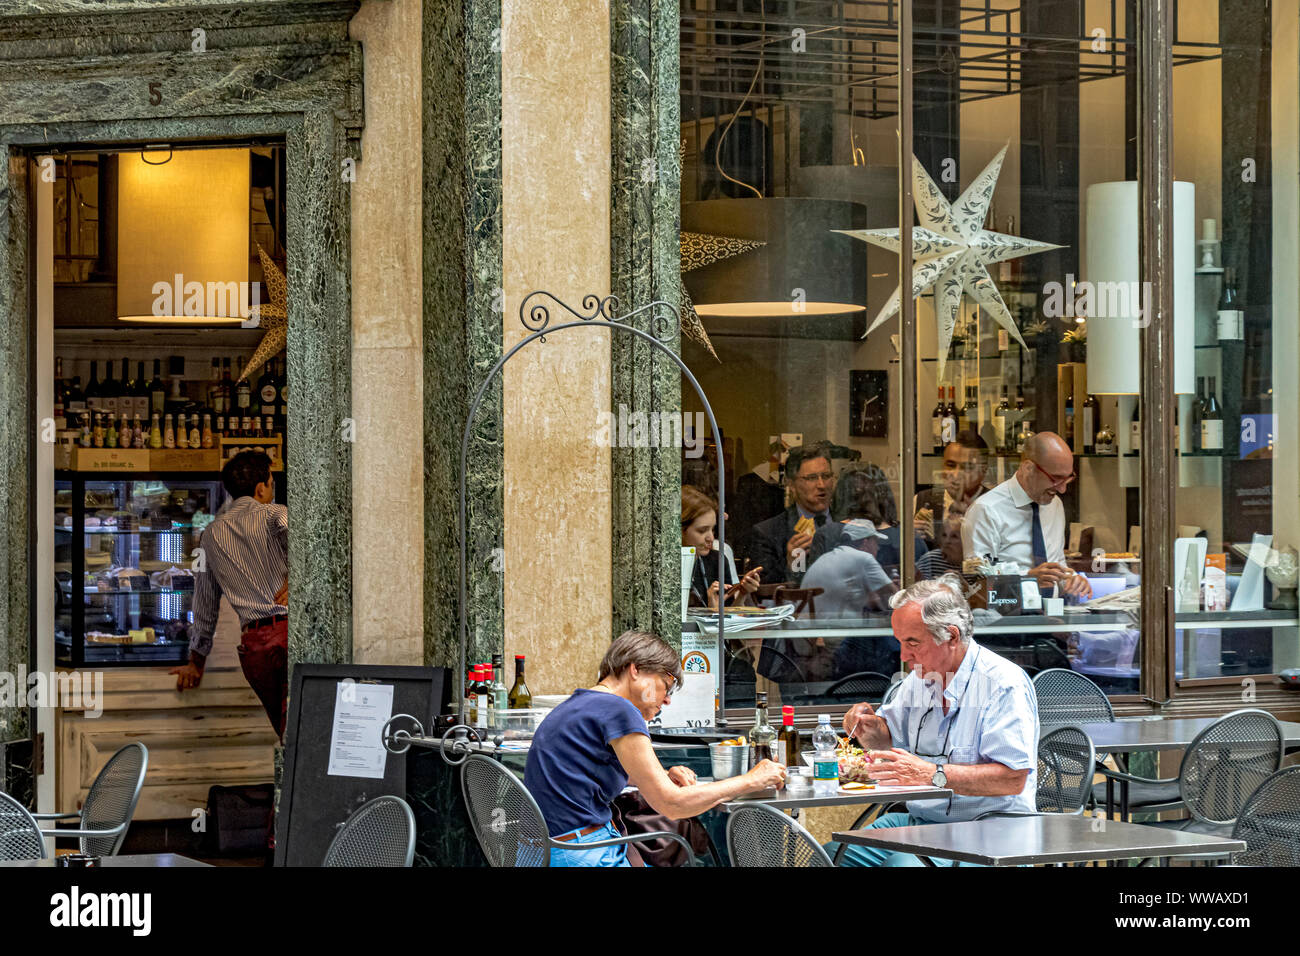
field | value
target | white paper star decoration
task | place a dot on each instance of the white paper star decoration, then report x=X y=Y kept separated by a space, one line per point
x=699 y=249
x=273 y=313
x=951 y=251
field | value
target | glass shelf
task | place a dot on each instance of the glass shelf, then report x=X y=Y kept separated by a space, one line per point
x=91 y=592
x=180 y=530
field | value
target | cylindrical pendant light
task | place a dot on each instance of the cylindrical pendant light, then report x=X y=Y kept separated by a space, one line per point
x=182 y=229
x=1111 y=264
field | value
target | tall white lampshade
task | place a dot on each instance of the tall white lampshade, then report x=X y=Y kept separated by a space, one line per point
x=1111 y=265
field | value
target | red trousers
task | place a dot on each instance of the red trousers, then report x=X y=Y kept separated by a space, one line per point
x=264 y=656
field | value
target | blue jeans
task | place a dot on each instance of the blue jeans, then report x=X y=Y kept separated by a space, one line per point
x=872 y=856
x=602 y=856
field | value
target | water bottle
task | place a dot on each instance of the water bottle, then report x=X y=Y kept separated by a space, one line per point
x=826 y=765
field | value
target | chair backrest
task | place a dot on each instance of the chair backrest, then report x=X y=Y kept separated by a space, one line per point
x=506 y=819
x=379 y=833
x=1270 y=822
x=863 y=685
x=1066 y=763
x=1066 y=697
x=891 y=692
x=801 y=598
x=112 y=798
x=1226 y=762
x=762 y=836
x=20 y=837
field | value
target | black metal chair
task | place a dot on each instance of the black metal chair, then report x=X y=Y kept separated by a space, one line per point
x=762 y=836
x=1066 y=764
x=1270 y=822
x=864 y=685
x=1224 y=764
x=509 y=824
x=891 y=692
x=379 y=833
x=110 y=803
x=20 y=836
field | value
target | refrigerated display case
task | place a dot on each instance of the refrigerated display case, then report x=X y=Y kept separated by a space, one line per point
x=125 y=565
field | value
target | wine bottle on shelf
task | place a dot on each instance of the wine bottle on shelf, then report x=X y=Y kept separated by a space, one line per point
x=215 y=401
x=1069 y=420
x=1000 y=424
x=763 y=736
x=60 y=395
x=1135 y=428
x=243 y=394
x=75 y=400
x=520 y=696
x=787 y=741
x=1091 y=416
x=971 y=412
x=1198 y=414
x=92 y=387
x=936 y=425
x=157 y=390
x=1229 y=308
x=140 y=393
x=948 y=429
x=1212 y=422
x=267 y=391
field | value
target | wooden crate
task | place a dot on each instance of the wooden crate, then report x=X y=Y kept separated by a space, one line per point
x=110 y=459
x=273 y=447
x=185 y=459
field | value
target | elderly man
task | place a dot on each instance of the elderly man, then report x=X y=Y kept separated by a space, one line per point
x=1023 y=520
x=965 y=719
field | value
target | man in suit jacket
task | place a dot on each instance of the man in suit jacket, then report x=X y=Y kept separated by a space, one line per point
x=775 y=544
x=965 y=466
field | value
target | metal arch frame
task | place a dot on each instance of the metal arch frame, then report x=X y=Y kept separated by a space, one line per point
x=599 y=313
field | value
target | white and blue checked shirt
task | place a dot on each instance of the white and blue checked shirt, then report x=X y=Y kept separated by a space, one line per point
x=246 y=558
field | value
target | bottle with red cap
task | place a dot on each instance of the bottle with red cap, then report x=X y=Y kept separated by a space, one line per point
x=482 y=687
x=787 y=741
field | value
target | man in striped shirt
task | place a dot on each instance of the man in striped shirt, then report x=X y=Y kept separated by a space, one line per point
x=245 y=553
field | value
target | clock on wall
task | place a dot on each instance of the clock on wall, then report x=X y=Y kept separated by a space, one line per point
x=868 y=404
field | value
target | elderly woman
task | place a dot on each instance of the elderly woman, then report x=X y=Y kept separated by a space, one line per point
x=591 y=746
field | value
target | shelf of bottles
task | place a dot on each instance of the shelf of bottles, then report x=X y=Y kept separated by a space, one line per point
x=141 y=412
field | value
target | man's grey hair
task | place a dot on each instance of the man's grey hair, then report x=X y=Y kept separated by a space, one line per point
x=943 y=604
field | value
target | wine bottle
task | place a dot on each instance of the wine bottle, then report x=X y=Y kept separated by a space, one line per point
x=157 y=390
x=1229 y=308
x=499 y=699
x=1212 y=422
x=1069 y=420
x=75 y=400
x=267 y=392
x=1000 y=424
x=1198 y=414
x=140 y=393
x=787 y=741
x=971 y=412
x=60 y=395
x=214 y=388
x=1091 y=414
x=520 y=697
x=948 y=426
x=936 y=425
x=243 y=393
x=1135 y=429
x=763 y=736
x=92 y=387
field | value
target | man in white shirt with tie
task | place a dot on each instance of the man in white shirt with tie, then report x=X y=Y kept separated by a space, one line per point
x=1023 y=520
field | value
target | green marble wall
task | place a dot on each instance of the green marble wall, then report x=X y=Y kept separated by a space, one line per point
x=645 y=265
x=462 y=318
x=274 y=69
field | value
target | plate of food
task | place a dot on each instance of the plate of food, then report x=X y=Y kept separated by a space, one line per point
x=853 y=760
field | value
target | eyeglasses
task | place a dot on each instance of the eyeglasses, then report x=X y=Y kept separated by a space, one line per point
x=1054 y=479
x=670 y=684
x=823 y=476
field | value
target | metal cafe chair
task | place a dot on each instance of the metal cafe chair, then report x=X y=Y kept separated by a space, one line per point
x=110 y=803
x=864 y=685
x=891 y=692
x=1224 y=764
x=20 y=837
x=1270 y=822
x=380 y=833
x=1066 y=764
x=762 y=836
x=509 y=824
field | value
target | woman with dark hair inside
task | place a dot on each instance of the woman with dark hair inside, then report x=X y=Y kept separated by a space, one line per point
x=590 y=747
x=699 y=524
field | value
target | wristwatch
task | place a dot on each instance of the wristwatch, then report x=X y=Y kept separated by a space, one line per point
x=940 y=779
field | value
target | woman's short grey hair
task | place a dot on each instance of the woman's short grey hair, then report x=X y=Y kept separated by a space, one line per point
x=647 y=651
x=943 y=604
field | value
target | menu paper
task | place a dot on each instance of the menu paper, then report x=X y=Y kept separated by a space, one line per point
x=695 y=703
x=356 y=744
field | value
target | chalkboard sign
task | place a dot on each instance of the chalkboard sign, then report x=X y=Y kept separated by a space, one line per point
x=333 y=759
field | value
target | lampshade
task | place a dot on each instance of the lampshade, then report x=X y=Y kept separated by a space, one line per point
x=1111 y=267
x=182 y=234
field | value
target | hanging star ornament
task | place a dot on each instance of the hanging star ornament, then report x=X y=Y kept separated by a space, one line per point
x=273 y=314
x=951 y=252
x=698 y=250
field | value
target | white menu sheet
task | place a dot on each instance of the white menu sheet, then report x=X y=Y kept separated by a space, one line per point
x=356 y=746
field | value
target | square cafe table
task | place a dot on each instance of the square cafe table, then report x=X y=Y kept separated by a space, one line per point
x=778 y=800
x=1047 y=838
x=1149 y=736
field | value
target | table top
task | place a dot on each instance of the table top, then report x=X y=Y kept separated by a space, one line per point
x=778 y=800
x=1137 y=736
x=1049 y=838
x=140 y=859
